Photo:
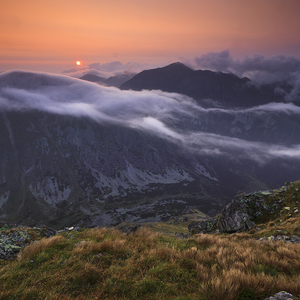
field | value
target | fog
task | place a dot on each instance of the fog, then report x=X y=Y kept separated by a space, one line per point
x=260 y=69
x=165 y=115
x=107 y=70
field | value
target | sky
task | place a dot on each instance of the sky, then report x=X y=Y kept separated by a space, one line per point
x=52 y=35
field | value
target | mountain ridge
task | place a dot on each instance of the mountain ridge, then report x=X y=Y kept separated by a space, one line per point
x=225 y=88
x=116 y=80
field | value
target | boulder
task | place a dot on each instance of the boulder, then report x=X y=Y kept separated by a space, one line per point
x=240 y=215
x=282 y=296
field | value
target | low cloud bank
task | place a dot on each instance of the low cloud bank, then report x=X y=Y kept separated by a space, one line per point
x=166 y=115
x=259 y=69
x=107 y=70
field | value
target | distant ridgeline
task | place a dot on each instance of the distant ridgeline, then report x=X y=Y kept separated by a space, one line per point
x=227 y=90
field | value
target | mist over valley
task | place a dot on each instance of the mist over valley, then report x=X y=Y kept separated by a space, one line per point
x=73 y=151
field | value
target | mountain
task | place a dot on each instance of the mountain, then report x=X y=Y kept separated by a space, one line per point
x=60 y=170
x=75 y=152
x=115 y=81
x=118 y=80
x=92 y=78
x=225 y=89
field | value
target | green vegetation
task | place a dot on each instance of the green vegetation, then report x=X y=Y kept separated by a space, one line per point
x=104 y=263
x=153 y=263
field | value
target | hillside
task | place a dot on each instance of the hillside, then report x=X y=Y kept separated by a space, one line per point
x=75 y=152
x=152 y=263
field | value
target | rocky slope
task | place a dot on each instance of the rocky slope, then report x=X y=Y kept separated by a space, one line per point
x=248 y=210
x=73 y=151
x=266 y=260
x=13 y=238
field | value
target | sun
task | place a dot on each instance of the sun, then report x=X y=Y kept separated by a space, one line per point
x=78 y=62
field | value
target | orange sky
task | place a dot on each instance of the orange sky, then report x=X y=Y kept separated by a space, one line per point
x=39 y=33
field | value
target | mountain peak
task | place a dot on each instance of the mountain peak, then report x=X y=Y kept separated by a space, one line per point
x=228 y=90
x=92 y=78
x=178 y=65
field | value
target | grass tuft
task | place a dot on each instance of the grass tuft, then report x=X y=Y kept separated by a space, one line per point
x=37 y=247
x=103 y=263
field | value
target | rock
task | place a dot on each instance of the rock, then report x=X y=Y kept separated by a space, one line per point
x=188 y=210
x=282 y=238
x=182 y=235
x=212 y=212
x=281 y=296
x=295 y=239
x=14 y=238
x=233 y=218
x=72 y=229
x=240 y=215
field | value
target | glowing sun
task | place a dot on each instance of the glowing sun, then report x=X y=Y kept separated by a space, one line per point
x=78 y=63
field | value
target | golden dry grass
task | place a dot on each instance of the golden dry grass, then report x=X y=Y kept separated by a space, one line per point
x=107 y=264
x=39 y=246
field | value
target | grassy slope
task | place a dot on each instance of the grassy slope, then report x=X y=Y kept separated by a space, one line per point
x=108 y=264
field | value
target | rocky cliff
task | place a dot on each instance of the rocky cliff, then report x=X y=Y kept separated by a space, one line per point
x=248 y=210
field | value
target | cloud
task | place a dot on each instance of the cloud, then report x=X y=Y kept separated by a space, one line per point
x=108 y=67
x=216 y=61
x=167 y=115
x=107 y=70
x=214 y=144
x=259 y=69
x=279 y=65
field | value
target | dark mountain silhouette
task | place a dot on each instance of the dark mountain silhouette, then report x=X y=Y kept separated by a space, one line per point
x=115 y=81
x=118 y=80
x=92 y=78
x=225 y=89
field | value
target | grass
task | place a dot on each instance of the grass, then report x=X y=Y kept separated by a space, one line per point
x=104 y=263
x=152 y=263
